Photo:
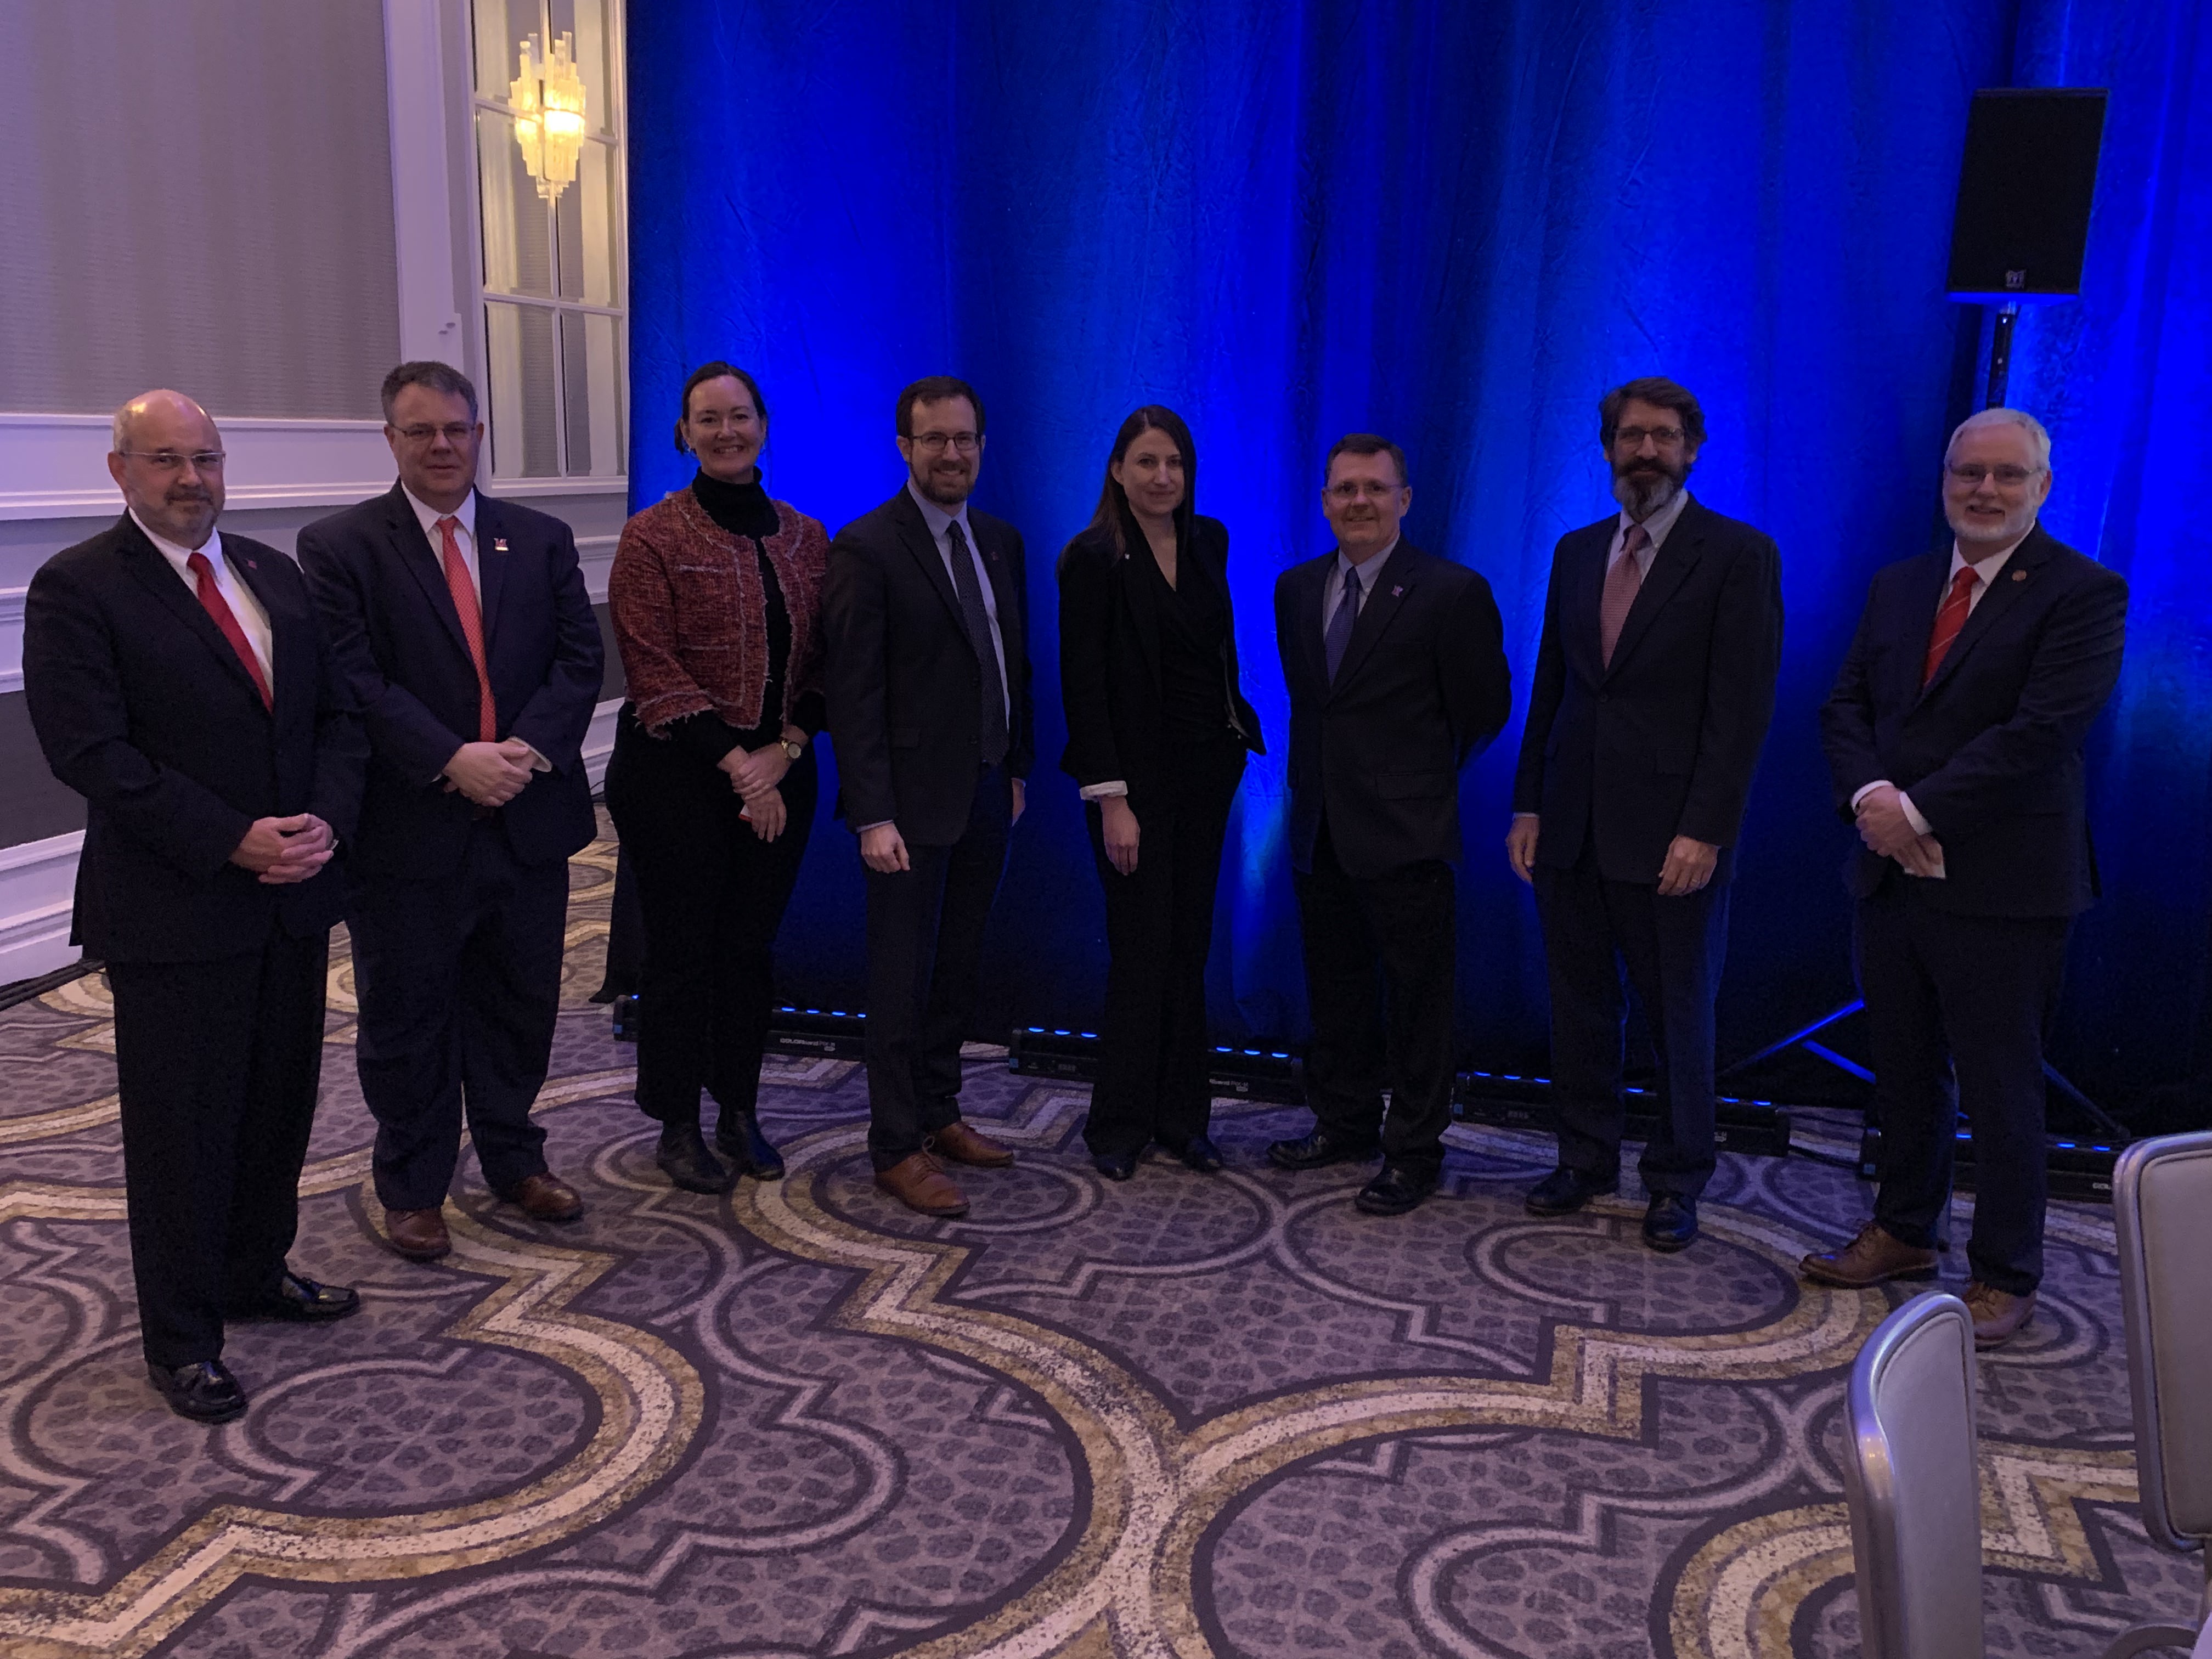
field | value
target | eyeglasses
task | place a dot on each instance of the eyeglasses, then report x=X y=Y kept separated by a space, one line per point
x=1665 y=436
x=1353 y=490
x=456 y=434
x=936 y=443
x=167 y=460
x=2007 y=477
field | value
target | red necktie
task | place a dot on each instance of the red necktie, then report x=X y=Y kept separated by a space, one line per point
x=1948 y=621
x=216 y=606
x=464 y=602
x=1621 y=584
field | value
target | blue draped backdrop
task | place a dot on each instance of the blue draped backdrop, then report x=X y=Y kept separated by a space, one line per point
x=1457 y=222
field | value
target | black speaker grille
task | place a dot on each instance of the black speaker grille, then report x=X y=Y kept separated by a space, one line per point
x=2024 y=192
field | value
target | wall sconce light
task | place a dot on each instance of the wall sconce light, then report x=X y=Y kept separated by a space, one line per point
x=547 y=98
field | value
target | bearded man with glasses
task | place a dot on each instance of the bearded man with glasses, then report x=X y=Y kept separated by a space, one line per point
x=1654 y=688
x=466 y=635
x=924 y=614
x=177 y=681
x=1954 y=737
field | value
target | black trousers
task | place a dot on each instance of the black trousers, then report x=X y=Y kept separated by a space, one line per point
x=924 y=962
x=713 y=895
x=1957 y=1008
x=217 y=1067
x=459 y=979
x=1673 y=949
x=1159 y=927
x=1380 y=966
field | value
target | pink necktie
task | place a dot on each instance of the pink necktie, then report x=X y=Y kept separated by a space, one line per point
x=464 y=602
x=1622 y=583
x=216 y=606
x=1948 y=621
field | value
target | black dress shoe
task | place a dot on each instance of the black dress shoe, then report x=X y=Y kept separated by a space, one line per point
x=1313 y=1151
x=1565 y=1191
x=301 y=1301
x=683 y=1158
x=1198 y=1153
x=1115 y=1166
x=1671 y=1222
x=1394 y=1192
x=206 y=1392
x=738 y=1136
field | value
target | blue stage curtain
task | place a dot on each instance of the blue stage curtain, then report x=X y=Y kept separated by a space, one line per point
x=1456 y=224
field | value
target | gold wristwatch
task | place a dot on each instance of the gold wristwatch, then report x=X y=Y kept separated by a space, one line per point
x=792 y=750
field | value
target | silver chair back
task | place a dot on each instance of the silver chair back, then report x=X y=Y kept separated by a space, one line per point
x=1913 y=1485
x=2162 y=1211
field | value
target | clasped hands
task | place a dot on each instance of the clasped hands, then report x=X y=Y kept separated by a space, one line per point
x=754 y=777
x=1889 y=834
x=281 y=851
x=1687 y=867
x=489 y=774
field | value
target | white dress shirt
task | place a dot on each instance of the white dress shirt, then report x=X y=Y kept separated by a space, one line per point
x=1371 y=577
x=235 y=593
x=1986 y=569
x=464 y=538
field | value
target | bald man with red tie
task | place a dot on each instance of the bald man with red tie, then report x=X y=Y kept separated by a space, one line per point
x=1954 y=737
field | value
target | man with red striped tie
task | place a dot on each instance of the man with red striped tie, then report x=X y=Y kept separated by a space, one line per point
x=1954 y=737
x=177 y=681
x=465 y=633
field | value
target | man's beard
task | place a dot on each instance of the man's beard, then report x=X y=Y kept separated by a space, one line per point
x=1645 y=496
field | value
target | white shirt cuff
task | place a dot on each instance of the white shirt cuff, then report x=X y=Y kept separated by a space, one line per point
x=1105 y=791
x=1866 y=789
x=1518 y=816
x=1920 y=825
x=884 y=823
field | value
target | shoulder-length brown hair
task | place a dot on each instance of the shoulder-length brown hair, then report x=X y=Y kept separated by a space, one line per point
x=1114 y=512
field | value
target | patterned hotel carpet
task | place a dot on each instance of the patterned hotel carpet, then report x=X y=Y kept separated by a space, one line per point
x=1181 y=1417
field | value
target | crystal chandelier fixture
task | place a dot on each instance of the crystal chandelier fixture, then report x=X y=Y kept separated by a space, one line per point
x=548 y=99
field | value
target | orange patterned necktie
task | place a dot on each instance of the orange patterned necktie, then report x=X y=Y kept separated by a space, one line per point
x=1948 y=621
x=464 y=602
x=1622 y=583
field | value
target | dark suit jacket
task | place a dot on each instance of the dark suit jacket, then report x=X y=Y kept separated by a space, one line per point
x=1991 y=752
x=1423 y=686
x=390 y=619
x=142 y=707
x=1662 y=743
x=904 y=684
x=1110 y=652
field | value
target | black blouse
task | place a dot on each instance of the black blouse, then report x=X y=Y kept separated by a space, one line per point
x=1193 y=626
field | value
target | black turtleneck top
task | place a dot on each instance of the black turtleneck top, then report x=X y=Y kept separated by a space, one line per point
x=745 y=511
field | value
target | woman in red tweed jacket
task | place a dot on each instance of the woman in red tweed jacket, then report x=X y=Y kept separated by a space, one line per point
x=716 y=601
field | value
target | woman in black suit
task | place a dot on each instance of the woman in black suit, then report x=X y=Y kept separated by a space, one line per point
x=1158 y=732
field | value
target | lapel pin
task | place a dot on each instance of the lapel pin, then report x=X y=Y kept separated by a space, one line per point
x=2020 y=575
x=1397 y=593
x=499 y=544
x=249 y=565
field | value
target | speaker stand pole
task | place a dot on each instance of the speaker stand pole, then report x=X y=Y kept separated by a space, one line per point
x=2001 y=353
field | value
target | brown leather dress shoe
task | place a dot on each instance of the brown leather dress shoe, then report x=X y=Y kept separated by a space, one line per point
x=418 y=1235
x=1998 y=1315
x=544 y=1198
x=919 y=1181
x=956 y=1142
x=1873 y=1258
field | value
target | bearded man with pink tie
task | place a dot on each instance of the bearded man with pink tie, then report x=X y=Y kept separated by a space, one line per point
x=464 y=631
x=1954 y=737
x=1654 y=688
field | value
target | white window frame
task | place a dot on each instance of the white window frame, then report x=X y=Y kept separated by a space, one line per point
x=616 y=141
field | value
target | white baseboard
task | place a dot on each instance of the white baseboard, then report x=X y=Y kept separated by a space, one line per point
x=600 y=742
x=38 y=884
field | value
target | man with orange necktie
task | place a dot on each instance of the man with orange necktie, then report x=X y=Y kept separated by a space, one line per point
x=465 y=633
x=1954 y=737
x=177 y=682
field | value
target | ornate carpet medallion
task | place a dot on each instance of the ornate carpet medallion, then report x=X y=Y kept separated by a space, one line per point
x=1178 y=1418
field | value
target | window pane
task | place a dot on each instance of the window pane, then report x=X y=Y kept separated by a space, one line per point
x=500 y=26
x=585 y=218
x=591 y=368
x=587 y=20
x=519 y=347
x=517 y=251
